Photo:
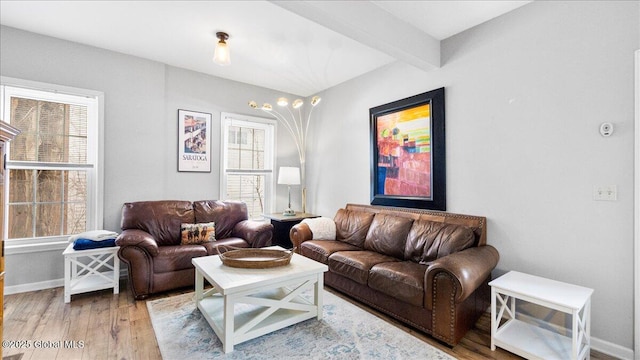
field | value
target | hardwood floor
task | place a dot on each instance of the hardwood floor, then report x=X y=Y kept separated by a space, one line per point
x=101 y=325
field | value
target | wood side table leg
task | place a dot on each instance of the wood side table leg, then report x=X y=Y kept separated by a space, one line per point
x=199 y=287
x=583 y=340
x=587 y=320
x=513 y=307
x=575 y=348
x=228 y=329
x=67 y=279
x=319 y=288
x=116 y=273
x=494 y=321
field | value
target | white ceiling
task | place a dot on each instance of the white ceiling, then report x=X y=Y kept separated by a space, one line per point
x=291 y=46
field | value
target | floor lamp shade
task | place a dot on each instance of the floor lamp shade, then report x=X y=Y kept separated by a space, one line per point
x=289 y=176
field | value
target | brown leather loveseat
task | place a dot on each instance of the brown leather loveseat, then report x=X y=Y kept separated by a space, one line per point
x=428 y=269
x=150 y=242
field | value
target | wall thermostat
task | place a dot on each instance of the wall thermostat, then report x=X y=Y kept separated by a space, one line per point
x=606 y=129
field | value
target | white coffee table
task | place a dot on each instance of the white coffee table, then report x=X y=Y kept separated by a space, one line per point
x=536 y=342
x=247 y=303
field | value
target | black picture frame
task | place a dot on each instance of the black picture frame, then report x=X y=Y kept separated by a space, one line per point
x=408 y=162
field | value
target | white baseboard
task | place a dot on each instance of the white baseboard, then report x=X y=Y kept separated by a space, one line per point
x=42 y=285
x=49 y=284
x=611 y=349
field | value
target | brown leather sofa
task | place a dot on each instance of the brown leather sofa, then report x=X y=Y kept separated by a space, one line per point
x=428 y=269
x=150 y=242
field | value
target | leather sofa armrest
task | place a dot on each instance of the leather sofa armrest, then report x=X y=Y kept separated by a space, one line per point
x=468 y=268
x=298 y=234
x=257 y=233
x=139 y=238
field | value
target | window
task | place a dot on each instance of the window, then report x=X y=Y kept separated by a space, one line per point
x=52 y=179
x=247 y=161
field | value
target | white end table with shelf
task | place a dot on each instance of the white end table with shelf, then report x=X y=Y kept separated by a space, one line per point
x=531 y=341
x=90 y=270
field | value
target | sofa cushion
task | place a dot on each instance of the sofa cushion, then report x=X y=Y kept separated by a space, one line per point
x=191 y=234
x=430 y=240
x=355 y=265
x=176 y=257
x=352 y=226
x=403 y=280
x=226 y=214
x=320 y=250
x=388 y=235
x=161 y=219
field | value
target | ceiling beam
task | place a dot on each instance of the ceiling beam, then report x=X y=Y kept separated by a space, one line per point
x=370 y=25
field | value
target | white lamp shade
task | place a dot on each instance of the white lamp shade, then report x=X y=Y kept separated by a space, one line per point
x=221 y=56
x=289 y=176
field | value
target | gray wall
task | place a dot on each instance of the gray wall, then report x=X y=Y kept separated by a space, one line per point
x=525 y=95
x=141 y=102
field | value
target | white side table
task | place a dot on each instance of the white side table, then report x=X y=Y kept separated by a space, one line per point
x=531 y=341
x=90 y=270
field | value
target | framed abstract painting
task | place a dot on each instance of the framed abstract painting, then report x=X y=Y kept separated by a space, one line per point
x=408 y=152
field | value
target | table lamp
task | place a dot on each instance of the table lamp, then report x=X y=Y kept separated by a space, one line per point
x=289 y=176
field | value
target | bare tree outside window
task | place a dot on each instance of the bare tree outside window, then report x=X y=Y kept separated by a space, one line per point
x=45 y=199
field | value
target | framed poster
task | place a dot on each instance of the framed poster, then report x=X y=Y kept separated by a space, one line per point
x=194 y=141
x=408 y=152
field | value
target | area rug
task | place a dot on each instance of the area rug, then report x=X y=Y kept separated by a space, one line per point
x=345 y=332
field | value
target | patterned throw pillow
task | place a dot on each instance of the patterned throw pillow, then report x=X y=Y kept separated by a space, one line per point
x=198 y=233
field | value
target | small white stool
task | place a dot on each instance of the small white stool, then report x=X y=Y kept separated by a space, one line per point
x=90 y=270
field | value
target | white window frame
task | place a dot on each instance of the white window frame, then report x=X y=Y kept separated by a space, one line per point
x=94 y=101
x=271 y=126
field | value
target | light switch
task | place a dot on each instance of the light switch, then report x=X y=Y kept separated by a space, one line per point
x=605 y=193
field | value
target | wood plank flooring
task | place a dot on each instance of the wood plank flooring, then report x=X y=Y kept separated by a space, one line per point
x=101 y=325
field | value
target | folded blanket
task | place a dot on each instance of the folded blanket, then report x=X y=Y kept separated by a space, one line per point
x=94 y=235
x=322 y=228
x=86 y=244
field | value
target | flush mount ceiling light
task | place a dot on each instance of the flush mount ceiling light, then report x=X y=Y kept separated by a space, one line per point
x=221 y=56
